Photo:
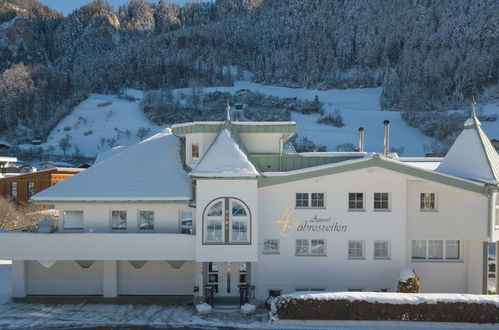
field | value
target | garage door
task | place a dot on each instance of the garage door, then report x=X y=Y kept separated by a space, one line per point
x=64 y=278
x=156 y=278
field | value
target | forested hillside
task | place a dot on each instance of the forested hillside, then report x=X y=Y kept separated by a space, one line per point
x=426 y=55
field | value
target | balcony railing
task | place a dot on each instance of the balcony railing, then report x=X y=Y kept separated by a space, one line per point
x=97 y=246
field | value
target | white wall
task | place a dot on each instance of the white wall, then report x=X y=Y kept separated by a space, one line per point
x=204 y=139
x=97 y=216
x=335 y=271
x=262 y=142
x=207 y=191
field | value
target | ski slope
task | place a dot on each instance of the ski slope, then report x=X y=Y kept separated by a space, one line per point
x=359 y=108
x=107 y=117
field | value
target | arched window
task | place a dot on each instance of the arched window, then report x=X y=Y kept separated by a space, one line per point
x=227 y=221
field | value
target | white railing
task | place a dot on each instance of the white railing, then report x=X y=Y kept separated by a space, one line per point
x=97 y=246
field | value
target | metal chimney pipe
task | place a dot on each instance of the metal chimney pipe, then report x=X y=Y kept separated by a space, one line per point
x=386 y=140
x=361 y=139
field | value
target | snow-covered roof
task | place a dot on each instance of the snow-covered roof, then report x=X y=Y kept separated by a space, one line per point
x=226 y=157
x=8 y=159
x=124 y=177
x=57 y=164
x=5 y=143
x=106 y=154
x=472 y=156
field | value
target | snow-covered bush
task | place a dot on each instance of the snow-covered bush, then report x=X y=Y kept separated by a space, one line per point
x=332 y=118
x=408 y=281
x=203 y=309
x=248 y=309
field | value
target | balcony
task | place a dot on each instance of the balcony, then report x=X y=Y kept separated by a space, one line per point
x=96 y=246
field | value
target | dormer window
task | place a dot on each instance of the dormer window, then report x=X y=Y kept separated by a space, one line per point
x=195 y=152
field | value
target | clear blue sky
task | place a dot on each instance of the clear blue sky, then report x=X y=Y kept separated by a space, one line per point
x=67 y=6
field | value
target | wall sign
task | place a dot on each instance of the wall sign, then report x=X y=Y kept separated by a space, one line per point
x=289 y=224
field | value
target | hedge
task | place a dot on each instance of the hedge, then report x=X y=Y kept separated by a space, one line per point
x=342 y=309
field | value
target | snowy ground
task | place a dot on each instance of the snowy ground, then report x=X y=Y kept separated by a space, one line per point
x=15 y=315
x=101 y=117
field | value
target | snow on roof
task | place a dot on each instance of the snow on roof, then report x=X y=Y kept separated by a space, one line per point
x=336 y=154
x=8 y=159
x=57 y=164
x=125 y=176
x=109 y=153
x=472 y=156
x=225 y=158
x=241 y=123
x=5 y=143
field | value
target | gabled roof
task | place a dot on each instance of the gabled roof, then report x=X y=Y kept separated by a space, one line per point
x=472 y=156
x=124 y=176
x=226 y=158
x=375 y=160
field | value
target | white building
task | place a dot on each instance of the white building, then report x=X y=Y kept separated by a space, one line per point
x=220 y=203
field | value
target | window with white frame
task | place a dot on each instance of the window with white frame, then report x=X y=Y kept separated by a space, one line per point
x=13 y=189
x=146 y=220
x=381 y=201
x=227 y=220
x=317 y=199
x=355 y=249
x=381 y=249
x=271 y=246
x=436 y=249
x=428 y=202
x=310 y=247
x=186 y=222
x=118 y=220
x=355 y=201
x=302 y=200
x=195 y=152
x=312 y=200
x=72 y=220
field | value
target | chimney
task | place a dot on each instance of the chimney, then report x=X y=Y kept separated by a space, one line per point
x=361 y=139
x=386 y=140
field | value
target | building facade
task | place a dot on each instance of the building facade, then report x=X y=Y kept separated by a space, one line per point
x=222 y=204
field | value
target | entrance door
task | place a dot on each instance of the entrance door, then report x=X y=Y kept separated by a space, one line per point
x=226 y=276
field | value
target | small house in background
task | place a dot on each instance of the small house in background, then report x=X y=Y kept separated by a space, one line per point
x=85 y=165
x=36 y=142
x=7 y=166
x=495 y=143
x=239 y=106
x=53 y=164
x=21 y=187
x=242 y=92
x=4 y=145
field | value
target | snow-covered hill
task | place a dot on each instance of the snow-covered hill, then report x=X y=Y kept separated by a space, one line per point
x=104 y=121
x=101 y=122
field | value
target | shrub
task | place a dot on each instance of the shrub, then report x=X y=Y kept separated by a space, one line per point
x=343 y=309
x=334 y=119
x=87 y=133
x=104 y=104
x=67 y=128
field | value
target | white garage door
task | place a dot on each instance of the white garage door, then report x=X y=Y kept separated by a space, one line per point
x=156 y=278
x=64 y=278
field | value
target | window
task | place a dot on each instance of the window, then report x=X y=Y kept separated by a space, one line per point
x=186 y=222
x=310 y=200
x=436 y=250
x=227 y=220
x=355 y=201
x=270 y=246
x=381 y=249
x=301 y=247
x=317 y=199
x=243 y=272
x=314 y=247
x=381 y=202
x=418 y=249
x=452 y=248
x=355 y=249
x=73 y=220
x=274 y=292
x=354 y=290
x=195 y=152
x=301 y=199
x=31 y=189
x=310 y=289
x=13 y=189
x=213 y=275
x=427 y=202
x=118 y=220
x=380 y=290
x=146 y=220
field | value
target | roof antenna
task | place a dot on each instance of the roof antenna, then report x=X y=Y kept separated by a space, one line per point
x=473 y=104
x=227 y=108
